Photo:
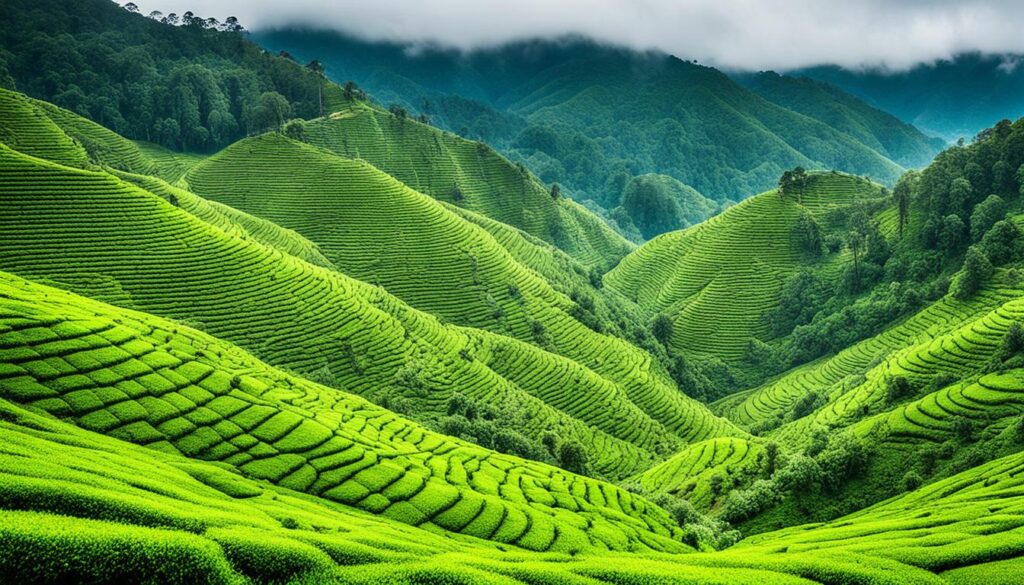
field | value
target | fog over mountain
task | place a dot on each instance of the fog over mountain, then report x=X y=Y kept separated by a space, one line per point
x=737 y=34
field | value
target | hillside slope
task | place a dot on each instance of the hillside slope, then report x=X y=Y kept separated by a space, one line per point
x=880 y=130
x=376 y=345
x=470 y=175
x=155 y=383
x=718 y=280
x=582 y=114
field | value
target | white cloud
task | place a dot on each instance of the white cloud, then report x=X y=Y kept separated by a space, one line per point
x=746 y=34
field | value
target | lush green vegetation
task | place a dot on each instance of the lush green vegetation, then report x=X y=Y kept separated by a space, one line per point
x=591 y=118
x=360 y=349
x=196 y=86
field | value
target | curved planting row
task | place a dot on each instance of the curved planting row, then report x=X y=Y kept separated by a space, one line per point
x=958 y=353
x=378 y=230
x=151 y=382
x=965 y=528
x=689 y=472
x=774 y=400
x=717 y=280
x=75 y=505
x=84 y=230
x=468 y=174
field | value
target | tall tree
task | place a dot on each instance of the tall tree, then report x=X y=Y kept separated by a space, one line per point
x=318 y=69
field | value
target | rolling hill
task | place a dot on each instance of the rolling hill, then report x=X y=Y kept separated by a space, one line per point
x=205 y=265
x=353 y=347
x=953 y=98
x=718 y=280
x=582 y=114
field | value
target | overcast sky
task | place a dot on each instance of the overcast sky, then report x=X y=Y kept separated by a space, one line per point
x=744 y=34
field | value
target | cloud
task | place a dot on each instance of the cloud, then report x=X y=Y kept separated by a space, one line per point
x=740 y=34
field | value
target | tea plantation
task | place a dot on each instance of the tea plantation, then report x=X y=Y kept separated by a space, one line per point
x=354 y=348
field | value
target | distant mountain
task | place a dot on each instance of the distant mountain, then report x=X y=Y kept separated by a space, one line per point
x=591 y=117
x=951 y=98
x=826 y=103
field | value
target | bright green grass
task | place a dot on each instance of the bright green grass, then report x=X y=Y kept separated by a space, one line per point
x=717 y=280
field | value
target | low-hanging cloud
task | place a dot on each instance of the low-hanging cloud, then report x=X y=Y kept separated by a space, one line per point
x=739 y=34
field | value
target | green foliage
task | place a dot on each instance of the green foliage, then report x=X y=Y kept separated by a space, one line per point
x=985 y=215
x=661 y=329
x=976 y=270
x=657 y=204
x=185 y=87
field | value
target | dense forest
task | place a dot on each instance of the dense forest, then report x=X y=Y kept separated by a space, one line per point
x=198 y=86
x=591 y=117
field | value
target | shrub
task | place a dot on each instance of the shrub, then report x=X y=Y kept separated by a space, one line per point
x=1013 y=341
x=897 y=388
x=844 y=458
x=661 y=329
x=912 y=480
x=295 y=129
x=744 y=504
x=799 y=474
x=572 y=457
x=963 y=428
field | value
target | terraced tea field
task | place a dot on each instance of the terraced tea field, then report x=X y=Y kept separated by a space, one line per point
x=717 y=280
x=154 y=383
x=239 y=278
x=775 y=399
x=470 y=175
x=237 y=369
x=441 y=264
x=688 y=473
x=958 y=354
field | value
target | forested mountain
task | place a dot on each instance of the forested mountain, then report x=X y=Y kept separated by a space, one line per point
x=197 y=86
x=953 y=98
x=590 y=117
x=358 y=348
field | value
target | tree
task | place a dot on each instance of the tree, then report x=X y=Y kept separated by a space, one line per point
x=976 y=269
x=1002 y=243
x=318 y=69
x=270 y=112
x=131 y=7
x=1020 y=179
x=856 y=243
x=771 y=451
x=985 y=215
x=960 y=192
x=807 y=234
x=398 y=111
x=231 y=24
x=351 y=90
x=296 y=130
x=661 y=329
x=793 y=181
x=951 y=233
x=1013 y=341
x=901 y=194
x=556 y=191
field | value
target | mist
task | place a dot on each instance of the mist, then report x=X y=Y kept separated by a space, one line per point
x=732 y=34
